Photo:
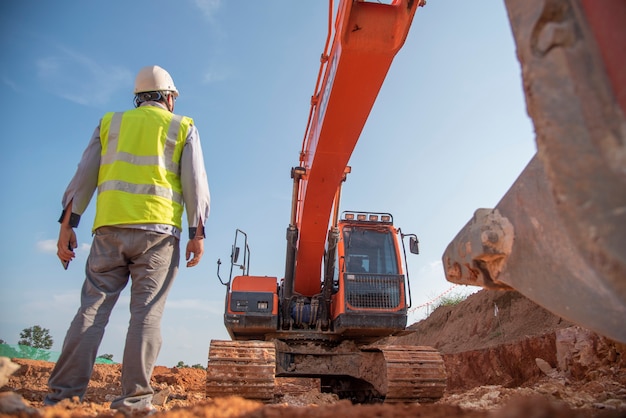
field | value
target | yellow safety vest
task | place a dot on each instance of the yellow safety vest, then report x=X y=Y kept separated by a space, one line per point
x=139 y=178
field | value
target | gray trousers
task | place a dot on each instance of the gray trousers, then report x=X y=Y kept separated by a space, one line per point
x=150 y=259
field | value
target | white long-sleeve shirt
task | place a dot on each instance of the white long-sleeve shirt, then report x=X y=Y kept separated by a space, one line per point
x=196 y=195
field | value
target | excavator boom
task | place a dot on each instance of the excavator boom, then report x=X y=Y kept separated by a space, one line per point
x=367 y=37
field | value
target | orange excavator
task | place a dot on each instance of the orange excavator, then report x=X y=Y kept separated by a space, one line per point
x=346 y=284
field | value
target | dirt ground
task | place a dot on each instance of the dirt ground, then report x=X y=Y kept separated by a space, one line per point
x=504 y=356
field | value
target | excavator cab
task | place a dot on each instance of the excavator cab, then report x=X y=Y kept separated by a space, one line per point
x=370 y=297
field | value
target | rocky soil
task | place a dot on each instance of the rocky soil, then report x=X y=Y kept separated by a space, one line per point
x=504 y=355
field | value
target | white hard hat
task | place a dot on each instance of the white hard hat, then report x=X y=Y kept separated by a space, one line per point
x=154 y=78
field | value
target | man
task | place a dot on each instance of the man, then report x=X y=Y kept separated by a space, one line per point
x=147 y=164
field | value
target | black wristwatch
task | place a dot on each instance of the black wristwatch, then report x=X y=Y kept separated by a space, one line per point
x=74 y=219
x=193 y=230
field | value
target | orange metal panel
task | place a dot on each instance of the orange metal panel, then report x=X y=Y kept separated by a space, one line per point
x=254 y=284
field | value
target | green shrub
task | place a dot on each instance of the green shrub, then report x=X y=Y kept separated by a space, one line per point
x=451 y=299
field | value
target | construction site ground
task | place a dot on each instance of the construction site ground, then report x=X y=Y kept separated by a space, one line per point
x=505 y=357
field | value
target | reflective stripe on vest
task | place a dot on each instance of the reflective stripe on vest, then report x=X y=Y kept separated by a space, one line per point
x=141 y=189
x=139 y=177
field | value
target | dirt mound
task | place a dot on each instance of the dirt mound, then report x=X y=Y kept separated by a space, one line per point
x=502 y=338
x=504 y=355
x=485 y=319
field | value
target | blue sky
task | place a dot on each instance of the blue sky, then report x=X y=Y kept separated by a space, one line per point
x=448 y=134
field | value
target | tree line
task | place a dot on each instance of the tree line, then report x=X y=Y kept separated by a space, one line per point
x=35 y=340
x=33 y=343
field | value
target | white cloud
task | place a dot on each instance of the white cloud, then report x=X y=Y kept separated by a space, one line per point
x=10 y=84
x=197 y=305
x=432 y=271
x=81 y=79
x=56 y=303
x=208 y=7
x=47 y=246
x=214 y=76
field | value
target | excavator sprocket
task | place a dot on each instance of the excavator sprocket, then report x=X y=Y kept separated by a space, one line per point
x=242 y=368
x=414 y=374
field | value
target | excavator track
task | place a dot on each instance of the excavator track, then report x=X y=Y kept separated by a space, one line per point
x=242 y=368
x=414 y=374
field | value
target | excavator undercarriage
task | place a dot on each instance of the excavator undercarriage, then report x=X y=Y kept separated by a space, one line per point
x=363 y=374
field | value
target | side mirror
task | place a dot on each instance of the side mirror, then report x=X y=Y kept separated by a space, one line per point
x=414 y=246
x=234 y=255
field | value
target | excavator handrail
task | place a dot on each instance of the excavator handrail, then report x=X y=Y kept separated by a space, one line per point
x=406 y=265
x=323 y=62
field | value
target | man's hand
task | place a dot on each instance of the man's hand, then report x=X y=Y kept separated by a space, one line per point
x=67 y=240
x=196 y=247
